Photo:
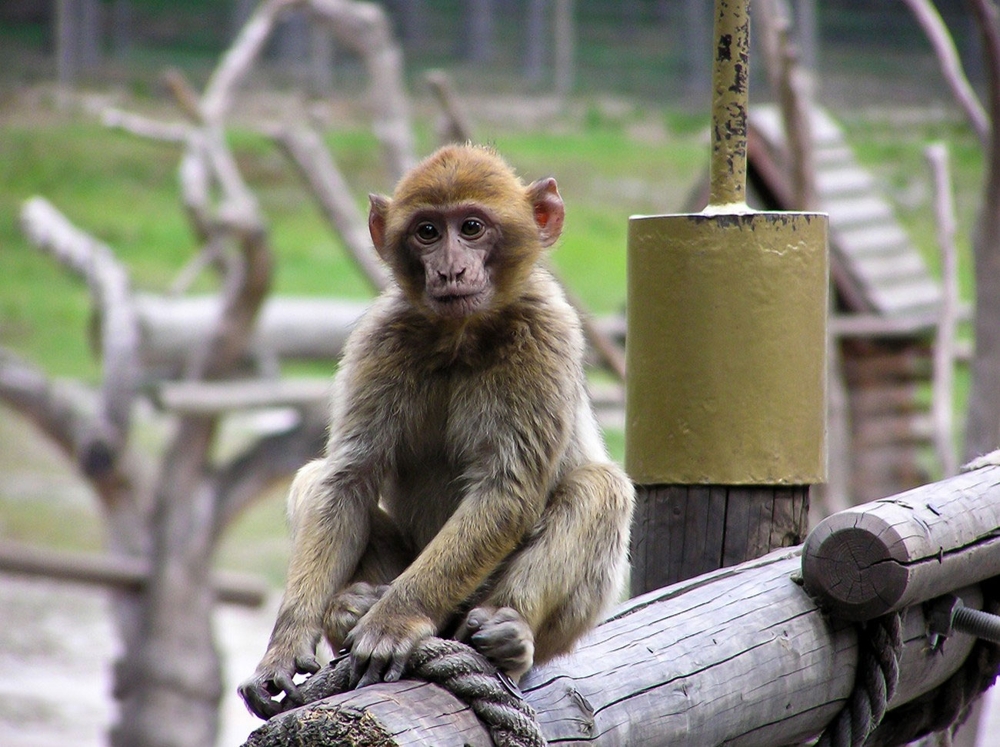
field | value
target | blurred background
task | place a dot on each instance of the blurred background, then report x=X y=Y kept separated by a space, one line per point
x=101 y=102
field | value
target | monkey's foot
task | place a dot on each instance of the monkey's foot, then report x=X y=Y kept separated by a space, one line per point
x=346 y=608
x=502 y=636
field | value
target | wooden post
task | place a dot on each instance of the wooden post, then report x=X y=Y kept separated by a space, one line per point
x=726 y=405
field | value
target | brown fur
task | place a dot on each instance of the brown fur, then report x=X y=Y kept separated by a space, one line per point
x=464 y=467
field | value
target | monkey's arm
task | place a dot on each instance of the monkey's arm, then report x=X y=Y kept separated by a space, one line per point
x=330 y=508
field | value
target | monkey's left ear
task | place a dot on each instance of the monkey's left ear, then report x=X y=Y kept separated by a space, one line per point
x=548 y=208
x=379 y=206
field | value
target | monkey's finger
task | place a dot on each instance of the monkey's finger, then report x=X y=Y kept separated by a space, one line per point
x=257 y=694
x=306 y=664
x=395 y=671
x=372 y=673
x=284 y=683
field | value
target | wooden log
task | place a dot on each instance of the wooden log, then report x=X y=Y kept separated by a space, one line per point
x=899 y=551
x=117 y=571
x=741 y=656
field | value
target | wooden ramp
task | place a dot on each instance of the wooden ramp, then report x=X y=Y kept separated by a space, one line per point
x=881 y=271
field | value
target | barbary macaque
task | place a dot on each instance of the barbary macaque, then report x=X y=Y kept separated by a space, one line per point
x=466 y=490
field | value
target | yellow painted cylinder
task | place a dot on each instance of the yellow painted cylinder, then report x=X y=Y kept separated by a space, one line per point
x=726 y=349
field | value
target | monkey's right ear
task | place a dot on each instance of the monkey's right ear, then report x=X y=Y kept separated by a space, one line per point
x=379 y=207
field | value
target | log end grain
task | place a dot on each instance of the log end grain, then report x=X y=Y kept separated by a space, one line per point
x=321 y=726
x=851 y=565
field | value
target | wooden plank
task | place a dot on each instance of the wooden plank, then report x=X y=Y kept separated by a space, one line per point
x=896 y=298
x=880 y=400
x=886 y=555
x=851 y=211
x=880 y=368
x=895 y=265
x=840 y=179
x=861 y=240
x=912 y=428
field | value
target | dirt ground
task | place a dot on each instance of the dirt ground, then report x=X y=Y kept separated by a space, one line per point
x=57 y=646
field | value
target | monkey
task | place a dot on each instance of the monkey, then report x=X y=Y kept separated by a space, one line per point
x=465 y=490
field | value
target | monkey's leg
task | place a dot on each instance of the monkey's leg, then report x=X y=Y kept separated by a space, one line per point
x=387 y=554
x=570 y=571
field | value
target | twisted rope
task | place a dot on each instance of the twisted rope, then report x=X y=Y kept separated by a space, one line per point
x=462 y=671
x=864 y=721
x=948 y=705
x=880 y=644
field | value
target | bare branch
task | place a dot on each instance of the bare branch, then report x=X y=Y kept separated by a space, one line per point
x=119 y=571
x=983 y=425
x=944 y=344
x=144 y=127
x=109 y=285
x=29 y=391
x=951 y=66
x=789 y=85
x=306 y=150
x=360 y=27
x=272 y=458
x=184 y=94
x=455 y=128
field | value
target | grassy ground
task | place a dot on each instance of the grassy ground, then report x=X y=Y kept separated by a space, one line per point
x=612 y=159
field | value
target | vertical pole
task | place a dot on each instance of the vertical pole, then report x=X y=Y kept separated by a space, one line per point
x=730 y=77
x=725 y=404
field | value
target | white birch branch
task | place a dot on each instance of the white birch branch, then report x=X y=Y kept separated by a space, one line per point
x=951 y=66
x=942 y=400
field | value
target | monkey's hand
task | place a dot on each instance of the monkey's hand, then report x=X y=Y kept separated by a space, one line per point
x=382 y=641
x=346 y=608
x=502 y=636
x=275 y=675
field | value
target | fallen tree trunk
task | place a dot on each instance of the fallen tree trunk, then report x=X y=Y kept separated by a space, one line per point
x=741 y=656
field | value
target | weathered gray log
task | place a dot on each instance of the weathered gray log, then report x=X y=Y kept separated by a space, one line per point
x=289 y=327
x=297 y=328
x=119 y=571
x=742 y=656
x=899 y=551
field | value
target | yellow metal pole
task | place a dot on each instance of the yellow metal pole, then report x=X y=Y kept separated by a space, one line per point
x=728 y=165
x=726 y=389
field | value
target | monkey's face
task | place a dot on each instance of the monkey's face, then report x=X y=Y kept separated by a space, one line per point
x=462 y=232
x=453 y=247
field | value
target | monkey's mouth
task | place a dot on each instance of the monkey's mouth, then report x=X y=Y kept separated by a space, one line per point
x=456 y=305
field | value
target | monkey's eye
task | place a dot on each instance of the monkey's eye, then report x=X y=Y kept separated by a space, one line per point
x=473 y=228
x=427 y=233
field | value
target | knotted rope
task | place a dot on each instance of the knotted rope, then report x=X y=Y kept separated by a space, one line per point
x=465 y=673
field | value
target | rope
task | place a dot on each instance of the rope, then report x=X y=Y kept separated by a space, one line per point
x=864 y=721
x=948 y=705
x=880 y=644
x=465 y=673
